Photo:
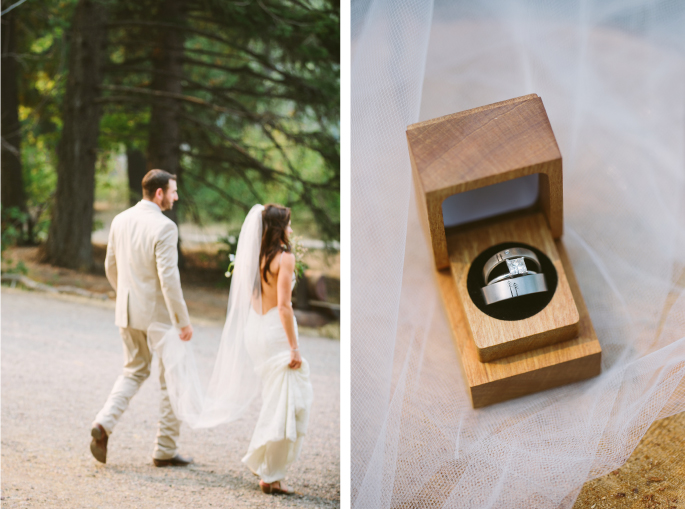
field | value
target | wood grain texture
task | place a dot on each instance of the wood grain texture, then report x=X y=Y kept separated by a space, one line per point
x=526 y=373
x=451 y=116
x=493 y=338
x=481 y=147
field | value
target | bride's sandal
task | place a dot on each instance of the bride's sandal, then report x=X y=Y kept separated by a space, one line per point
x=281 y=490
x=275 y=488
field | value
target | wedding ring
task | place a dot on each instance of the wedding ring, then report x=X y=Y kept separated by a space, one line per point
x=508 y=254
x=515 y=287
x=508 y=276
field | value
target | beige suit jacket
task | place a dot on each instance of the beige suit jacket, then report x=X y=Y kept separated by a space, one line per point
x=142 y=267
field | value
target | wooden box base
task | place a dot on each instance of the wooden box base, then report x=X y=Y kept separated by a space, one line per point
x=525 y=373
x=496 y=339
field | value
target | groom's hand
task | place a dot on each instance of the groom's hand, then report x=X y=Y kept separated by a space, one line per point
x=186 y=333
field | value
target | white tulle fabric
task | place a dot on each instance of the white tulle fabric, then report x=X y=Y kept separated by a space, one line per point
x=612 y=77
x=234 y=382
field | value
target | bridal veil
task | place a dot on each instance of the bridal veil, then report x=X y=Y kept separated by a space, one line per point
x=234 y=382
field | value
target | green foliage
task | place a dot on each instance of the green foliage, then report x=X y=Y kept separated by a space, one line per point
x=12 y=219
x=41 y=55
x=260 y=113
x=111 y=181
x=260 y=118
x=40 y=179
x=300 y=252
x=9 y=267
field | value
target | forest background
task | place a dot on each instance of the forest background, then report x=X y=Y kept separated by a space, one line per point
x=239 y=99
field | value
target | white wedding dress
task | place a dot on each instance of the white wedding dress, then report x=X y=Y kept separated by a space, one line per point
x=286 y=398
x=254 y=352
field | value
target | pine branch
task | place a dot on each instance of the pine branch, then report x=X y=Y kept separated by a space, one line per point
x=331 y=184
x=172 y=95
x=217 y=189
x=242 y=91
x=115 y=99
x=257 y=165
x=234 y=165
x=159 y=24
x=262 y=59
x=243 y=69
x=278 y=19
x=217 y=93
x=220 y=23
x=234 y=143
x=305 y=195
x=211 y=53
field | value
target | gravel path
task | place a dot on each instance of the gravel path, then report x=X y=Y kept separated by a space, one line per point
x=60 y=358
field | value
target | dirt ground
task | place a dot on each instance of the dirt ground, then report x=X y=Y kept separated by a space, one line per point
x=60 y=358
x=653 y=476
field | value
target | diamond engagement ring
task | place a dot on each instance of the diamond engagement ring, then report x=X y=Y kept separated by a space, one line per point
x=519 y=281
x=519 y=256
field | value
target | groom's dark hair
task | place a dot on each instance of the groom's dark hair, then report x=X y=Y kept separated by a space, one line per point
x=156 y=179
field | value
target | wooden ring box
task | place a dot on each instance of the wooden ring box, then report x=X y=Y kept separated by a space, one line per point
x=502 y=359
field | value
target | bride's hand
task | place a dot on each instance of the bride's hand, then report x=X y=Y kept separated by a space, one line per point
x=186 y=333
x=295 y=359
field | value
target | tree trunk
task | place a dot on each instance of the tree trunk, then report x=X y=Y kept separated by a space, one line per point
x=164 y=140
x=13 y=194
x=136 y=171
x=69 y=239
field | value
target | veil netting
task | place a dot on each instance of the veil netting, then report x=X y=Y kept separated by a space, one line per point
x=234 y=383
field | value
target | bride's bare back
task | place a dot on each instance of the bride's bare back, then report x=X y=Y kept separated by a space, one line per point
x=277 y=292
x=280 y=276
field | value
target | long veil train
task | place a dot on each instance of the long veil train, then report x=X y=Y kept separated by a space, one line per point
x=234 y=383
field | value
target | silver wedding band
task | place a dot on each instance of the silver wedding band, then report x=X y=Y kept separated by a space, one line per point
x=508 y=276
x=508 y=254
x=515 y=287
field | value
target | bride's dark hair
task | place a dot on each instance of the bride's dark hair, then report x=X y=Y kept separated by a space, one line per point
x=275 y=219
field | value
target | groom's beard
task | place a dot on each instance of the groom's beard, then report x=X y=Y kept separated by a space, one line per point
x=167 y=204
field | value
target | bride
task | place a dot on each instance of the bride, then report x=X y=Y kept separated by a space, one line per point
x=272 y=342
x=259 y=346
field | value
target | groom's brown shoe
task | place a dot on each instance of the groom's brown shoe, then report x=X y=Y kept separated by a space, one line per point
x=98 y=446
x=176 y=461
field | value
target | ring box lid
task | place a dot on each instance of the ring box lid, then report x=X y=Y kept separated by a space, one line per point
x=481 y=147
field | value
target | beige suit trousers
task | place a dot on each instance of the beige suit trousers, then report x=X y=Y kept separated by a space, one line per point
x=137 y=361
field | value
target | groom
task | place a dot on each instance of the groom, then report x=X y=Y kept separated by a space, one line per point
x=142 y=267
